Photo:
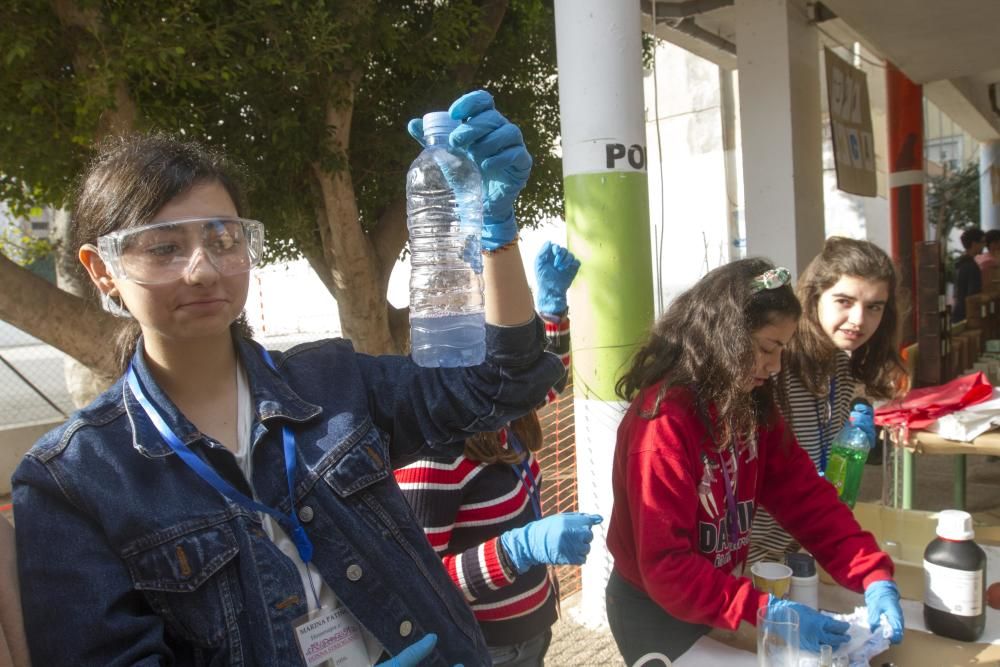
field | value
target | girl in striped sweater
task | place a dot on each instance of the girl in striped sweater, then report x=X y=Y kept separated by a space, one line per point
x=846 y=345
x=481 y=511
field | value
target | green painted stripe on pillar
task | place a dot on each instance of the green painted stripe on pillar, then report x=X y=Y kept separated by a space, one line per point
x=607 y=227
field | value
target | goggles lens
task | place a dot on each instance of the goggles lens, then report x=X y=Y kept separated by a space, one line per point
x=166 y=251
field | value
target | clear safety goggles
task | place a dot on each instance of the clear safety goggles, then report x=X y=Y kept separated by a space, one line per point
x=166 y=251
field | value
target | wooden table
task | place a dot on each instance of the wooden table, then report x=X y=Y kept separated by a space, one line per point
x=931 y=444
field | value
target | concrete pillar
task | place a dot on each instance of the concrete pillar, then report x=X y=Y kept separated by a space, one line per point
x=779 y=77
x=607 y=226
x=989 y=184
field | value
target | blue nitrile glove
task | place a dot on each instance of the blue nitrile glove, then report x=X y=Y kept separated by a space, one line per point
x=555 y=269
x=863 y=417
x=814 y=628
x=560 y=539
x=497 y=147
x=413 y=655
x=882 y=597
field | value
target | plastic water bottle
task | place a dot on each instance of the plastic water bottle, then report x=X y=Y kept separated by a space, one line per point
x=848 y=454
x=444 y=213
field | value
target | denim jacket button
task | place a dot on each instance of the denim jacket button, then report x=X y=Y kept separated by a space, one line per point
x=405 y=628
x=305 y=514
x=354 y=572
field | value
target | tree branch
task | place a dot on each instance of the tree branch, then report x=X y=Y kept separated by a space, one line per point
x=389 y=236
x=57 y=317
x=492 y=12
x=119 y=117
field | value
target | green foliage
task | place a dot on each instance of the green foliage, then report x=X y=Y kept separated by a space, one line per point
x=255 y=77
x=22 y=248
x=953 y=204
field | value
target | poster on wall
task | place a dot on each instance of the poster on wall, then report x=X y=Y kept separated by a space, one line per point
x=850 y=126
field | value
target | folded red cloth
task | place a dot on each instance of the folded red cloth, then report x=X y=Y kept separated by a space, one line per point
x=922 y=407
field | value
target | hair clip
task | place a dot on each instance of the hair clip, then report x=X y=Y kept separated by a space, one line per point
x=771 y=279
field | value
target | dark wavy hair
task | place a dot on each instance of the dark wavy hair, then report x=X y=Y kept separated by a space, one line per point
x=811 y=355
x=129 y=179
x=704 y=342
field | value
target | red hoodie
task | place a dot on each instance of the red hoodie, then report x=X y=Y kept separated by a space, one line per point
x=669 y=534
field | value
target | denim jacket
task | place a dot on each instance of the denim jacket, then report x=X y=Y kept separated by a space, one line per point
x=127 y=557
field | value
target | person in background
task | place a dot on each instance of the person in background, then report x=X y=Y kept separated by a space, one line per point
x=701 y=447
x=846 y=344
x=481 y=511
x=968 y=277
x=225 y=504
x=988 y=259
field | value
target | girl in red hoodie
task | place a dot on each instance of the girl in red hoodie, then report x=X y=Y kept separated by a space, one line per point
x=701 y=447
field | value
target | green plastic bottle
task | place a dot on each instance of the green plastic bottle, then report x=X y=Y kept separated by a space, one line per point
x=848 y=454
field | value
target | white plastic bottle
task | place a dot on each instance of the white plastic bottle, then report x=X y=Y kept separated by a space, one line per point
x=805 y=581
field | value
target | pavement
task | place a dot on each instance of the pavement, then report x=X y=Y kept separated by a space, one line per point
x=577 y=645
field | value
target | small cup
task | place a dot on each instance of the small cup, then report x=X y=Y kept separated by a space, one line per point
x=773 y=578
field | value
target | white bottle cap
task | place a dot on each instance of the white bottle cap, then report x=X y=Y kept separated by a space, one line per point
x=955 y=525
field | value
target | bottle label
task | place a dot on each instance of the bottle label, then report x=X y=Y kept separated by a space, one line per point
x=958 y=592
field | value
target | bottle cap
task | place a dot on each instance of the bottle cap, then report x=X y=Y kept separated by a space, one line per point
x=439 y=122
x=955 y=525
x=803 y=565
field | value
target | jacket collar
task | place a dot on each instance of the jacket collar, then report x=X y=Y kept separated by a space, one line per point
x=271 y=396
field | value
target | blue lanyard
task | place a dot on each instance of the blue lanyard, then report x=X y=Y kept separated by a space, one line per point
x=824 y=444
x=289 y=522
x=528 y=479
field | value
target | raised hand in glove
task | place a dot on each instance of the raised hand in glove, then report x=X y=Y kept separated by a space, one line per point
x=555 y=269
x=815 y=628
x=560 y=539
x=882 y=597
x=497 y=147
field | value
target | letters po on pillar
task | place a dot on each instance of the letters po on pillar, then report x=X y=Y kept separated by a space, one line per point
x=635 y=155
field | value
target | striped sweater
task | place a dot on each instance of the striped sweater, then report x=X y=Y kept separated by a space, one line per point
x=810 y=416
x=464 y=506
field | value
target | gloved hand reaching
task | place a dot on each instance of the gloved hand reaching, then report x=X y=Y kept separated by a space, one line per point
x=882 y=597
x=497 y=147
x=560 y=539
x=555 y=269
x=814 y=628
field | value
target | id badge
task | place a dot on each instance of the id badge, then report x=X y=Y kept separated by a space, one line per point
x=331 y=638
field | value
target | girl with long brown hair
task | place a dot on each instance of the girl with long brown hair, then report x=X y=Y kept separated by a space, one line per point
x=846 y=345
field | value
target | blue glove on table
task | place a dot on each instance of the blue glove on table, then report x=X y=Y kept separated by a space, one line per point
x=555 y=269
x=814 y=628
x=560 y=539
x=497 y=147
x=882 y=597
x=864 y=418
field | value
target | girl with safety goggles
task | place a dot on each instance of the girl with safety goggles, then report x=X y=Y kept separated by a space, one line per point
x=223 y=504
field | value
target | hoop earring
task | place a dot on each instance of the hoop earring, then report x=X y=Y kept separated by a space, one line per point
x=115 y=307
